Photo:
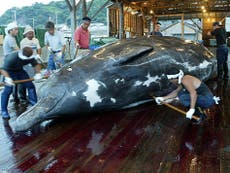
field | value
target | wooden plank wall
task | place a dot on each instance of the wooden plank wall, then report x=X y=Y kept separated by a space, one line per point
x=133 y=24
x=114 y=22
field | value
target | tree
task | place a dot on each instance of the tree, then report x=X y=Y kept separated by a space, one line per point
x=38 y=14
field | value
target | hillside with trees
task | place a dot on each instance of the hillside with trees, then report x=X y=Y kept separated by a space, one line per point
x=38 y=14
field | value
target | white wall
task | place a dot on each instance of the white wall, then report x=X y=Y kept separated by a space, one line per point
x=227 y=24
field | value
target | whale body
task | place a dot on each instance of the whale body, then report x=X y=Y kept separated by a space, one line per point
x=116 y=76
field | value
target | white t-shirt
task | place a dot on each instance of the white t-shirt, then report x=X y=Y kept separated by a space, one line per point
x=9 y=44
x=56 y=41
x=34 y=44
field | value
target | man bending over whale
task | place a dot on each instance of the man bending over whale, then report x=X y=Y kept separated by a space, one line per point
x=192 y=93
x=13 y=70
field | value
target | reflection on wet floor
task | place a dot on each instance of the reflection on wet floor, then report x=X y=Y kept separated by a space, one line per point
x=148 y=138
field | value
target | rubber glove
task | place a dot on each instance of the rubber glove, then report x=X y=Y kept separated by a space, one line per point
x=69 y=69
x=159 y=100
x=38 y=58
x=216 y=99
x=77 y=45
x=59 y=55
x=37 y=77
x=9 y=81
x=190 y=113
x=50 y=49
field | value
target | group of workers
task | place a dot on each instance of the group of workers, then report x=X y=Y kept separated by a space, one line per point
x=18 y=61
x=191 y=91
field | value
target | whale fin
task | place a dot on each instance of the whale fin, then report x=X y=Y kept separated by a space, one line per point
x=128 y=54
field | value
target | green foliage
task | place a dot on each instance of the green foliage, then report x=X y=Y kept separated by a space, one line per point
x=38 y=14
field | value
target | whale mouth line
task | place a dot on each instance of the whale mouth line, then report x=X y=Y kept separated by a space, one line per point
x=38 y=112
x=52 y=100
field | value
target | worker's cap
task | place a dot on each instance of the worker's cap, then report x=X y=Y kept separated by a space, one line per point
x=217 y=24
x=86 y=19
x=26 y=53
x=10 y=26
x=28 y=29
x=178 y=75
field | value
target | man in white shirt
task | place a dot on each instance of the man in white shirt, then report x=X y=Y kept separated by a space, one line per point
x=56 y=45
x=32 y=42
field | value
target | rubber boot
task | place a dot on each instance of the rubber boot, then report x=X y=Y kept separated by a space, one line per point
x=32 y=96
x=4 y=102
x=22 y=94
x=15 y=93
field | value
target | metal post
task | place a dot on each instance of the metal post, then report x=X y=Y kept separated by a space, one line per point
x=121 y=29
x=56 y=18
x=182 y=26
x=33 y=22
x=15 y=15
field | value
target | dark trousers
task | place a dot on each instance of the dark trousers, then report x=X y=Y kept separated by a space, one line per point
x=203 y=101
x=15 y=93
x=222 y=61
x=32 y=96
x=22 y=92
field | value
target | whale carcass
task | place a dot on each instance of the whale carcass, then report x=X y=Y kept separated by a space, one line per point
x=117 y=76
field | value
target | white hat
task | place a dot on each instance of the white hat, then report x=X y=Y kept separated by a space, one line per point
x=179 y=75
x=23 y=57
x=28 y=29
x=10 y=26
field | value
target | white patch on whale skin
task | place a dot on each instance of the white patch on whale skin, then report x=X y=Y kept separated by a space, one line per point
x=119 y=80
x=113 y=100
x=73 y=93
x=202 y=65
x=148 y=81
x=91 y=94
x=102 y=84
x=138 y=83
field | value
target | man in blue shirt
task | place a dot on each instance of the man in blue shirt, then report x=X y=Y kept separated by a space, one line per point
x=13 y=70
x=157 y=30
x=9 y=42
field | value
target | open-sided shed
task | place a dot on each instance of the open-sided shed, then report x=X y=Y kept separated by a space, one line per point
x=133 y=17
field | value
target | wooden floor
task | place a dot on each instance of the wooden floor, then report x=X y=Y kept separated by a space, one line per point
x=145 y=139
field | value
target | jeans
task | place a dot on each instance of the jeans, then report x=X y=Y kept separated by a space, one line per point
x=203 y=101
x=55 y=62
x=222 y=61
x=32 y=96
